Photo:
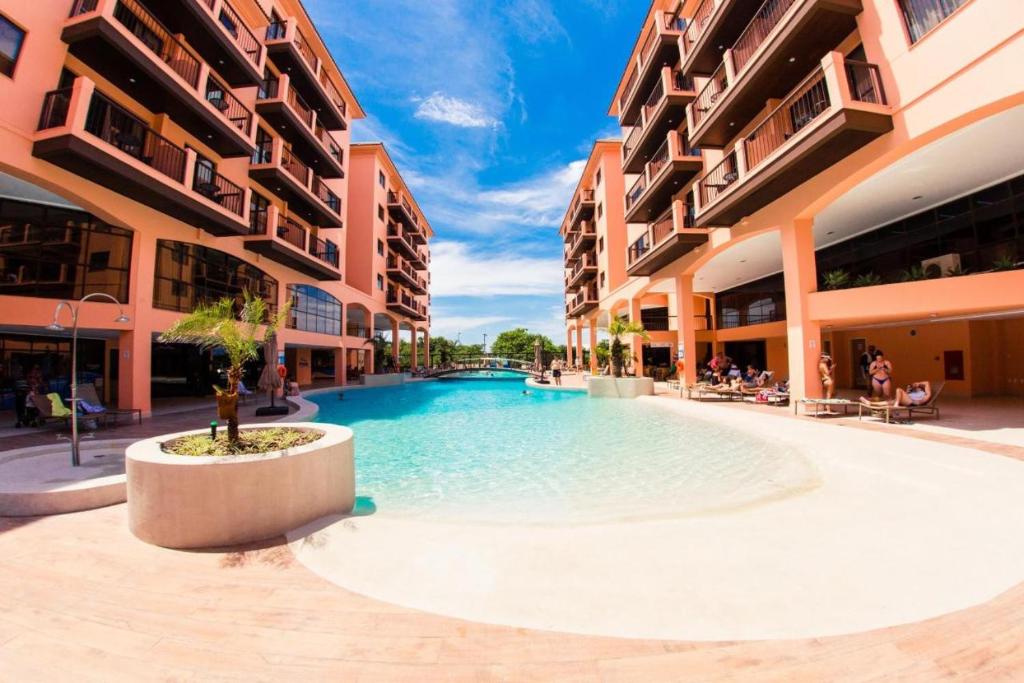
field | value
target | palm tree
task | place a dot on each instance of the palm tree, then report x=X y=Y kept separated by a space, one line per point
x=617 y=329
x=382 y=360
x=215 y=326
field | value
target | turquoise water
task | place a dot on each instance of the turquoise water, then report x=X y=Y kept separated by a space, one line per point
x=480 y=450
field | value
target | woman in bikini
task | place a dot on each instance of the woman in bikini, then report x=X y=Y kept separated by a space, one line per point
x=916 y=394
x=881 y=376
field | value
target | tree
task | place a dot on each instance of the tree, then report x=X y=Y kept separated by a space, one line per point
x=215 y=326
x=617 y=329
x=382 y=358
x=518 y=343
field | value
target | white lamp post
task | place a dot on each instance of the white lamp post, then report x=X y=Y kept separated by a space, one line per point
x=57 y=327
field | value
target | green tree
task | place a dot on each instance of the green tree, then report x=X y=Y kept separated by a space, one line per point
x=215 y=326
x=518 y=343
x=617 y=329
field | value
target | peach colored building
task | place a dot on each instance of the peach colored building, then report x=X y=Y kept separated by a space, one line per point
x=171 y=152
x=827 y=175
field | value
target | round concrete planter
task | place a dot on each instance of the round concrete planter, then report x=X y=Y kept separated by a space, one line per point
x=620 y=387
x=179 y=501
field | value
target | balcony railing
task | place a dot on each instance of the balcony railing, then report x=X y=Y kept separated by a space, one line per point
x=718 y=179
x=215 y=187
x=717 y=83
x=300 y=107
x=332 y=93
x=325 y=195
x=55 y=108
x=220 y=96
x=632 y=140
x=327 y=141
x=324 y=250
x=305 y=49
x=657 y=232
x=700 y=19
x=809 y=101
x=245 y=39
x=658 y=160
x=638 y=249
x=765 y=19
x=637 y=191
x=634 y=76
x=291 y=232
x=155 y=36
x=276 y=30
x=865 y=82
x=584 y=196
x=296 y=168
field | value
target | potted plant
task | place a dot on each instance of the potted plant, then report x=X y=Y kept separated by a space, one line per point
x=913 y=274
x=867 y=280
x=836 y=279
x=618 y=329
x=215 y=326
x=1003 y=263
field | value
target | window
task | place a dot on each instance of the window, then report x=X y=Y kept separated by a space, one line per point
x=11 y=38
x=601 y=278
x=600 y=210
x=313 y=310
x=381 y=180
x=258 y=208
x=597 y=178
x=380 y=212
x=264 y=147
x=58 y=253
x=922 y=16
x=380 y=282
x=380 y=248
x=189 y=274
x=600 y=245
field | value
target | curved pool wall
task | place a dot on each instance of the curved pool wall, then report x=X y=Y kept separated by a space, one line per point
x=483 y=451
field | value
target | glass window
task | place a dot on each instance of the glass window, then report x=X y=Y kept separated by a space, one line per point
x=313 y=310
x=380 y=248
x=380 y=212
x=190 y=274
x=11 y=38
x=922 y=16
x=258 y=208
x=264 y=151
x=380 y=179
x=59 y=253
x=380 y=282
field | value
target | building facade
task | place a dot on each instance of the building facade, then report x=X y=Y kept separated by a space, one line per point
x=811 y=176
x=170 y=153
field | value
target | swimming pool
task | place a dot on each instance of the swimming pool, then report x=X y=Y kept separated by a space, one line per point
x=483 y=451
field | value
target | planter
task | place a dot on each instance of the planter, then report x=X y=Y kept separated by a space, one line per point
x=179 y=501
x=620 y=387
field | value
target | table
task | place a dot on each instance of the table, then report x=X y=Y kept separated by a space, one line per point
x=827 y=403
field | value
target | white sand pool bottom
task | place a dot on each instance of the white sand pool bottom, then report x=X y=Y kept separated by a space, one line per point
x=899 y=530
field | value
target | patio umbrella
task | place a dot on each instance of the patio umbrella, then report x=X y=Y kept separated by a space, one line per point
x=270 y=381
x=538 y=360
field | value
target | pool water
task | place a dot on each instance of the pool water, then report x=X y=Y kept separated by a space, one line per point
x=483 y=451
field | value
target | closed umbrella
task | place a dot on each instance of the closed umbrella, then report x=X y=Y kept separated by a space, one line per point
x=270 y=381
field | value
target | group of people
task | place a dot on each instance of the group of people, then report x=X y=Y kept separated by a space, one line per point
x=877 y=374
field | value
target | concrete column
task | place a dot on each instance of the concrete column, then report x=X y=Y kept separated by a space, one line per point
x=426 y=349
x=579 y=343
x=593 y=345
x=636 y=342
x=396 y=342
x=568 y=346
x=368 y=348
x=686 y=324
x=804 y=335
x=134 y=369
x=340 y=371
x=414 y=346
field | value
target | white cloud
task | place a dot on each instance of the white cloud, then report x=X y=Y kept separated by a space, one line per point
x=452 y=110
x=455 y=271
x=450 y=326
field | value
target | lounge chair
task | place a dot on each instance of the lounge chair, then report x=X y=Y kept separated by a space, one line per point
x=244 y=393
x=89 y=394
x=51 y=409
x=929 y=408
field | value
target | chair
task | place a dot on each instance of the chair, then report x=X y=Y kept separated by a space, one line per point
x=88 y=393
x=51 y=408
x=929 y=408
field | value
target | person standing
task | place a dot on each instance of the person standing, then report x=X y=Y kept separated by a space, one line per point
x=880 y=371
x=865 y=365
x=827 y=371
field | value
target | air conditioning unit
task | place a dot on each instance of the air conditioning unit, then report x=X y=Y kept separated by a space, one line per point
x=940 y=266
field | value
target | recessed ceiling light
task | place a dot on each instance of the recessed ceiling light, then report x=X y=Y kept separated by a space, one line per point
x=830 y=232
x=131 y=80
x=792 y=59
x=732 y=123
x=917 y=196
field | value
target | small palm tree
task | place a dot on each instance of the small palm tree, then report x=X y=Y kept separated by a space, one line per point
x=617 y=329
x=215 y=326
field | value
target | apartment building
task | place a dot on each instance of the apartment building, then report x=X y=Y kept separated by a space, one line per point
x=169 y=152
x=838 y=175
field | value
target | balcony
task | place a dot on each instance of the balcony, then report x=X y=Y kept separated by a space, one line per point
x=282 y=172
x=421 y=260
x=781 y=44
x=715 y=25
x=283 y=240
x=284 y=109
x=670 y=168
x=584 y=301
x=401 y=241
x=584 y=269
x=663 y=111
x=401 y=210
x=122 y=41
x=84 y=132
x=669 y=237
x=293 y=54
x=403 y=303
x=660 y=48
x=837 y=109
x=581 y=209
x=218 y=34
x=402 y=273
x=583 y=239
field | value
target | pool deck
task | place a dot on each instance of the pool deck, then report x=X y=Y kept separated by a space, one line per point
x=81 y=594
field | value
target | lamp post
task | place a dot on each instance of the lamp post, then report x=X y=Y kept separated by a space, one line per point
x=55 y=326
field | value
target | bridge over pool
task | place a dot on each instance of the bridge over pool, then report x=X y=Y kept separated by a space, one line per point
x=488 y=364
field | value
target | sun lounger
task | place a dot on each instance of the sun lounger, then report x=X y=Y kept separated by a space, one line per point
x=826 y=403
x=51 y=408
x=888 y=410
x=88 y=393
x=701 y=392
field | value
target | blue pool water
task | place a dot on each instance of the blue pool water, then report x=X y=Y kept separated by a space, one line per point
x=480 y=450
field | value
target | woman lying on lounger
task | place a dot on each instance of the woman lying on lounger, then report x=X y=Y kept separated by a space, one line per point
x=916 y=394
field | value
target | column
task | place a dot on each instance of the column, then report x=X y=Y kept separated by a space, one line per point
x=340 y=369
x=804 y=334
x=368 y=355
x=686 y=324
x=426 y=349
x=636 y=342
x=396 y=342
x=579 y=343
x=568 y=346
x=414 y=344
x=134 y=369
x=593 y=344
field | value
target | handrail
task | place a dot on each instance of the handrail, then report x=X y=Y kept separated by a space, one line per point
x=637 y=191
x=299 y=106
x=327 y=141
x=159 y=39
x=630 y=82
x=304 y=49
x=697 y=23
x=638 y=249
x=658 y=160
x=653 y=99
x=325 y=195
x=661 y=227
x=294 y=166
x=865 y=82
x=805 y=103
x=56 y=104
x=717 y=83
x=718 y=179
x=332 y=93
x=324 y=250
x=648 y=46
x=765 y=19
x=224 y=101
x=631 y=140
x=291 y=232
x=243 y=35
x=215 y=187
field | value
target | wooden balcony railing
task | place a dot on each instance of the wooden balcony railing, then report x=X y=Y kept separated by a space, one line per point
x=55 y=109
x=224 y=101
x=632 y=140
x=865 y=82
x=305 y=49
x=584 y=196
x=246 y=40
x=155 y=36
x=291 y=232
x=630 y=83
x=215 y=187
x=637 y=191
x=718 y=179
x=765 y=19
x=300 y=107
x=807 y=102
x=717 y=83
x=327 y=141
x=638 y=249
x=332 y=93
x=324 y=250
x=658 y=160
x=296 y=168
x=325 y=195
x=700 y=19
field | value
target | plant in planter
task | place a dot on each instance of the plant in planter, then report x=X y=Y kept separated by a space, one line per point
x=913 y=274
x=957 y=271
x=867 y=280
x=215 y=326
x=618 y=329
x=836 y=279
x=1004 y=263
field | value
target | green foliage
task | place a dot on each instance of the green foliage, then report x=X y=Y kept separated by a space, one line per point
x=1004 y=262
x=603 y=352
x=250 y=441
x=617 y=329
x=837 y=279
x=518 y=343
x=957 y=271
x=867 y=280
x=913 y=274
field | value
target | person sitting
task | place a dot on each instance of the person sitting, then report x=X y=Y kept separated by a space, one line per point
x=916 y=394
x=291 y=387
x=751 y=378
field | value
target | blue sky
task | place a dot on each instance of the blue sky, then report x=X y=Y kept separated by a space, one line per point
x=490 y=109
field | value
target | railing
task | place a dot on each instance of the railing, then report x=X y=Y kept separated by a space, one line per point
x=697 y=23
x=117 y=127
x=630 y=83
x=584 y=196
x=327 y=141
x=325 y=195
x=83 y=6
x=718 y=179
x=304 y=49
x=268 y=89
x=300 y=107
x=661 y=227
x=291 y=232
x=158 y=39
x=55 y=109
x=631 y=140
x=637 y=191
x=638 y=249
x=227 y=104
x=701 y=321
x=296 y=168
x=865 y=82
x=258 y=220
x=244 y=37
x=675 y=21
x=649 y=43
x=357 y=330
x=685 y=149
x=277 y=30
x=658 y=160
x=709 y=94
x=808 y=101
x=324 y=250
x=656 y=96
x=215 y=187
x=681 y=82
x=765 y=19
x=332 y=92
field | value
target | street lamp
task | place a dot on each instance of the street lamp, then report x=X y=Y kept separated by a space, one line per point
x=55 y=326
